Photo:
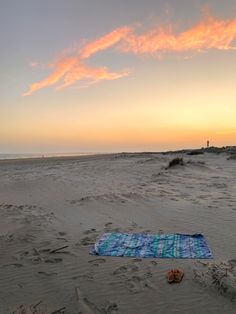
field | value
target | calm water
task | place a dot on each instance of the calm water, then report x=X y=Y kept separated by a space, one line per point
x=38 y=155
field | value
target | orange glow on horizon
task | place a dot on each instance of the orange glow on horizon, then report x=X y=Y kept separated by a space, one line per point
x=142 y=138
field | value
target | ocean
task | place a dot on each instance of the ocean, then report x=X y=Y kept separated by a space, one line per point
x=41 y=155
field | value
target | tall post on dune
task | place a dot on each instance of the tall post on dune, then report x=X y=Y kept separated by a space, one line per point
x=208 y=143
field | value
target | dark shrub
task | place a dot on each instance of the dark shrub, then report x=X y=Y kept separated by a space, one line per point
x=175 y=162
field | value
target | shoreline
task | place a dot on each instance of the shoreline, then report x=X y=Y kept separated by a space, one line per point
x=190 y=151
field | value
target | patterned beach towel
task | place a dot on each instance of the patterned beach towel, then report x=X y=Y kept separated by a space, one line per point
x=152 y=245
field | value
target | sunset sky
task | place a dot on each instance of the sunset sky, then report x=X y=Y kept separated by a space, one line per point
x=108 y=75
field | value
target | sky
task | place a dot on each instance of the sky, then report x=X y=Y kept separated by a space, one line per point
x=110 y=76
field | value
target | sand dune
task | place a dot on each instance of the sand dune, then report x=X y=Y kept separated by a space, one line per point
x=67 y=203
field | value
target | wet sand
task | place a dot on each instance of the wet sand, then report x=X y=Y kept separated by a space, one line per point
x=50 y=203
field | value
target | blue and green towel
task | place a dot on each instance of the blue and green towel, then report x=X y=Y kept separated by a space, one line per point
x=152 y=245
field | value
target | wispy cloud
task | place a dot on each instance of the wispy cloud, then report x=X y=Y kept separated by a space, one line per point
x=105 y=42
x=92 y=75
x=71 y=69
x=209 y=33
x=60 y=69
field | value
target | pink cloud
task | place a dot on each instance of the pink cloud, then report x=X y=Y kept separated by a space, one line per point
x=60 y=69
x=104 y=42
x=71 y=69
x=209 y=33
x=82 y=72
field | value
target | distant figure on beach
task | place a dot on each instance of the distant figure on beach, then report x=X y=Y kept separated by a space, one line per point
x=208 y=143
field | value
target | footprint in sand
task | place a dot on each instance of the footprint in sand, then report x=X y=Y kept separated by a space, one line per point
x=62 y=233
x=108 y=224
x=37 y=256
x=129 y=268
x=232 y=263
x=17 y=265
x=109 y=308
x=53 y=260
x=86 y=232
x=62 y=239
x=96 y=262
x=36 y=260
x=87 y=241
x=89 y=307
x=89 y=276
x=92 y=235
x=137 y=284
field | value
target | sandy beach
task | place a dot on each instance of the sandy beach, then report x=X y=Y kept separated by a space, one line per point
x=50 y=203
